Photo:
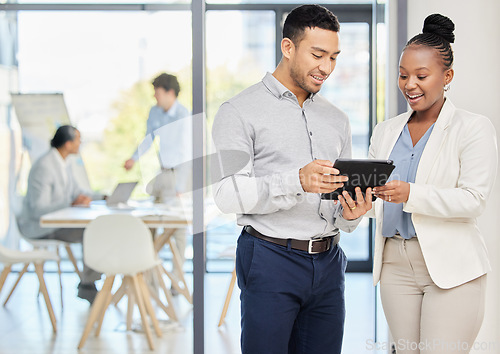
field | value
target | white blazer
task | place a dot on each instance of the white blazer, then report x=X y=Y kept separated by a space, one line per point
x=454 y=178
x=47 y=192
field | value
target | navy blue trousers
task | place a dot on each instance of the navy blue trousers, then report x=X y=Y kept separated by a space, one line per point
x=291 y=301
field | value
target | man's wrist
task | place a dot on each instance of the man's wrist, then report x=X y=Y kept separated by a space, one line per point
x=291 y=184
x=301 y=179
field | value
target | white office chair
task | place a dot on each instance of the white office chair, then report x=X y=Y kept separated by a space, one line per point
x=120 y=244
x=55 y=245
x=10 y=257
x=49 y=245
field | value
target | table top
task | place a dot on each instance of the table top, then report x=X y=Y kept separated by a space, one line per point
x=154 y=215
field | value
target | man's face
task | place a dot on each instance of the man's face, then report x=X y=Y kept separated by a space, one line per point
x=165 y=99
x=313 y=59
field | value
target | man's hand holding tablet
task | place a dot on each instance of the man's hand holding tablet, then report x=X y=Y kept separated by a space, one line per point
x=320 y=177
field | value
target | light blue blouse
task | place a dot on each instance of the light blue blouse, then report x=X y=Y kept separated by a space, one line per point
x=406 y=158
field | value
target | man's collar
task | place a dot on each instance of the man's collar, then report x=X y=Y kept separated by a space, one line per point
x=172 y=110
x=278 y=89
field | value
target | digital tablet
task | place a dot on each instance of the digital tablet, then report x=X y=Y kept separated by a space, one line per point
x=363 y=173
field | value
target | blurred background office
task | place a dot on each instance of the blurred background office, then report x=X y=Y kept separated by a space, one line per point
x=101 y=58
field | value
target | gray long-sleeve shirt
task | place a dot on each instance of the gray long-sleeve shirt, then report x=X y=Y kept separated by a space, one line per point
x=263 y=137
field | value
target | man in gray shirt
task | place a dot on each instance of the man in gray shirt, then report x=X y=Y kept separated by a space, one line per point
x=276 y=142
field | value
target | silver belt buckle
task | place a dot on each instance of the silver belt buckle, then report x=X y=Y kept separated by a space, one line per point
x=310 y=246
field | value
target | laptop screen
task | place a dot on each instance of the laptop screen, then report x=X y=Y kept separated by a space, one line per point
x=121 y=193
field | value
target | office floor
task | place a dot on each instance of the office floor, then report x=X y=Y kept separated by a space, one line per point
x=25 y=325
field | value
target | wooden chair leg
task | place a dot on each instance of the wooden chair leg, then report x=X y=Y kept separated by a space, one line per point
x=5 y=272
x=100 y=319
x=59 y=272
x=43 y=289
x=96 y=308
x=175 y=284
x=37 y=248
x=120 y=293
x=17 y=282
x=176 y=259
x=142 y=310
x=72 y=258
x=162 y=239
x=147 y=302
x=169 y=309
x=228 y=297
x=157 y=299
x=131 y=302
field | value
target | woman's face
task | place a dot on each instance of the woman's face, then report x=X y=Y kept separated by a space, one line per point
x=74 y=145
x=422 y=77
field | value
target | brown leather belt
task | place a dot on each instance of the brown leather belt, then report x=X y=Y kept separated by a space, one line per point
x=311 y=246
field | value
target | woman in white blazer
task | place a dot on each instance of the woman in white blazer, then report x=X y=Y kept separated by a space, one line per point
x=430 y=257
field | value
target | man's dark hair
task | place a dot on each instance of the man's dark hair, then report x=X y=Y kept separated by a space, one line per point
x=168 y=82
x=308 y=16
x=63 y=134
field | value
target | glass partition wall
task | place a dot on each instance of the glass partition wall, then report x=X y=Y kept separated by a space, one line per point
x=243 y=54
x=105 y=72
x=103 y=57
x=103 y=63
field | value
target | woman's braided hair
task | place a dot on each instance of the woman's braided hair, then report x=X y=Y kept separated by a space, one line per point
x=438 y=34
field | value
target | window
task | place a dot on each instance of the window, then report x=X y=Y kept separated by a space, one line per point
x=104 y=67
x=233 y=64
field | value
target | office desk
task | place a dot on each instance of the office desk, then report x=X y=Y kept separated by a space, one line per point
x=79 y=217
x=154 y=216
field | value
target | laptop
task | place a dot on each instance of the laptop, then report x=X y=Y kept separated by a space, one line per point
x=121 y=194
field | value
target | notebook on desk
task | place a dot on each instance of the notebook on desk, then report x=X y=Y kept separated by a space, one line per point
x=121 y=194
